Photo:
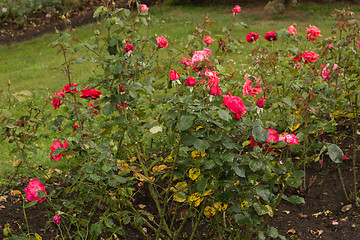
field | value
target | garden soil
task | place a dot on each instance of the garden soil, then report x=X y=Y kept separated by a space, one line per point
x=326 y=214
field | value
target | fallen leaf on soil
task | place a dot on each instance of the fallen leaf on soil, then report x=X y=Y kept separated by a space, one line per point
x=301 y=215
x=344 y=219
x=3 y=198
x=317 y=232
x=287 y=212
x=291 y=231
x=142 y=206
x=346 y=208
x=2 y=206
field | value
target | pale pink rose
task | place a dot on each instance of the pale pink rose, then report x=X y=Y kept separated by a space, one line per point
x=292 y=30
x=198 y=56
x=248 y=89
x=325 y=73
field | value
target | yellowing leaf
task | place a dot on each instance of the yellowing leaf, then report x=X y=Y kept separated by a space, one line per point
x=246 y=143
x=208 y=192
x=197 y=198
x=179 y=197
x=198 y=128
x=16 y=162
x=195 y=154
x=133 y=159
x=203 y=154
x=179 y=187
x=194 y=173
x=270 y=211
x=124 y=167
x=156 y=129
x=220 y=206
x=15 y=192
x=244 y=204
x=293 y=128
x=159 y=168
x=143 y=178
x=38 y=237
x=209 y=211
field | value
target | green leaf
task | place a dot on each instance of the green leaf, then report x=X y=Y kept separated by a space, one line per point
x=143 y=21
x=30 y=204
x=260 y=134
x=186 y=122
x=109 y=222
x=289 y=102
x=273 y=232
x=224 y=115
x=294 y=199
x=261 y=236
x=263 y=193
x=108 y=109
x=95 y=177
x=239 y=172
x=201 y=145
x=335 y=153
x=261 y=210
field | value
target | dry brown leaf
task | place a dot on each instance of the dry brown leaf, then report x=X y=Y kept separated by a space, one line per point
x=346 y=208
x=301 y=215
x=142 y=206
x=291 y=231
x=3 y=198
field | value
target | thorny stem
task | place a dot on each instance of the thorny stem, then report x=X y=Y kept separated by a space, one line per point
x=342 y=183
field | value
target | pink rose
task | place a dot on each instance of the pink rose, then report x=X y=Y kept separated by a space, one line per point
x=312 y=33
x=252 y=37
x=94 y=94
x=120 y=105
x=198 y=56
x=325 y=72
x=292 y=30
x=236 y=9
x=56 y=219
x=129 y=47
x=273 y=136
x=235 y=105
x=208 y=40
x=57 y=144
x=310 y=56
x=33 y=189
x=215 y=90
x=261 y=102
x=248 y=89
x=271 y=36
x=174 y=75
x=144 y=8
x=162 y=42
x=56 y=102
x=186 y=61
x=289 y=138
x=190 y=81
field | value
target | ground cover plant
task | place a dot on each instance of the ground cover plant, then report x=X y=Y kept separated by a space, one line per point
x=166 y=139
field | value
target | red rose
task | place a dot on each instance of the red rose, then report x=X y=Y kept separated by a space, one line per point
x=236 y=9
x=208 y=40
x=235 y=105
x=252 y=37
x=32 y=190
x=297 y=58
x=162 y=42
x=273 y=136
x=310 y=56
x=312 y=33
x=271 y=36
x=289 y=138
x=94 y=94
x=174 y=75
x=215 y=90
x=96 y=107
x=190 y=81
x=129 y=47
x=261 y=102
x=67 y=87
x=56 y=102
x=57 y=144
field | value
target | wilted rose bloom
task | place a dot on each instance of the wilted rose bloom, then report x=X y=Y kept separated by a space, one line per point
x=292 y=30
x=261 y=102
x=56 y=102
x=235 y=105
x=190 y=81
x=56 y=219
x=310 y=56
x=144 y=8
x=94 y=94
x=312 y=33
x=48 y=15
x=57 y=144
x=129 y=47
x=33 y=189
x=271 y=36
x=252 y=37
x=174 y=75
x=67 y=87
x=273 y=136
x=236 y=9
x=208 y=40
x=248 y=89
x=289 y=138
x=162 y=42
x=215 y=90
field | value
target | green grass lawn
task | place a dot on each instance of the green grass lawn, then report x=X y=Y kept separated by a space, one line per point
x=28 y=65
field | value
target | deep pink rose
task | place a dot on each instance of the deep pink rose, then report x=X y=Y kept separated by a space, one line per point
x=208 y=40
x=174 y=75
x=57 y=144
x=213 y=79
x=297 y=58
x=186 y=61
x=312 y=33
x=94 y=94
x=289 y=138
x=271 y=36
x=310 y=56
x=235 y=105
x=252 y=37
x=236 y=9
x=67 y=87
x=325 y=73
x=56 y=219
x=144 y=8
x=273 y=136
x=248 y=89
x=33 y=189
x=129 y=47
x=190 y=81
x=56 y=102
x=162 y=42
x=261 y=102
x=358 y=42
x=215 y=90
x=292 y=30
